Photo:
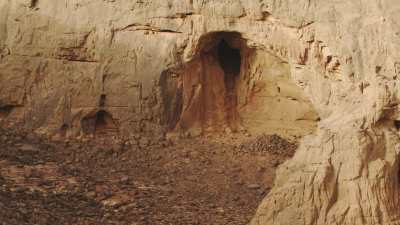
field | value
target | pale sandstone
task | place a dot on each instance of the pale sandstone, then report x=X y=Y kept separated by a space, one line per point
x=62 y=61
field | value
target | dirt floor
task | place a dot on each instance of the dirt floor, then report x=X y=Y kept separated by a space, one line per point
x=191 y=181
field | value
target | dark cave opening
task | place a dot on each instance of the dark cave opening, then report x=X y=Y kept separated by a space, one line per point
x=229 y=86
x=103 y=120
x=6 y=110
x=397 y=124
x=102 y=123
x=230 y=61
x=203 y=93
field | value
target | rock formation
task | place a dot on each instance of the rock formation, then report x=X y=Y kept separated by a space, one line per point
x=85 y=67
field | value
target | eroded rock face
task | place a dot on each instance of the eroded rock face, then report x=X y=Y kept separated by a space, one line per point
x=62 y=62
x=229 y=86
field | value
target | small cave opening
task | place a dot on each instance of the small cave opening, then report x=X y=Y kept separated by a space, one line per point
x=397 y=124
x=230 y=61
x=64 y=130
x=229 y=86
x=99 y=124
x=6 y=110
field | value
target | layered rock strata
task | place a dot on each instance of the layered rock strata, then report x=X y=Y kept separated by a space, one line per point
x=86 y=67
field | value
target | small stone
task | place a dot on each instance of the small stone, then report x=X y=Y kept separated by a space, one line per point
x=124 y=180
x=253 y=186
x=91 y=194
x=116 y=200
x=26 y=147
x=239 y=182
x=144 y=142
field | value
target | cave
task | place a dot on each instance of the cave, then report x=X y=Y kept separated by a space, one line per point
x=5 y=111
x=230 y=60
x=231 y=87
x=397 y=124
x=99 y=123
x=201 y=96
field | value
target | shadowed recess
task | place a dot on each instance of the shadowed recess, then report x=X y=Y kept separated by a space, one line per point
x=5 y=110
x=100 y=123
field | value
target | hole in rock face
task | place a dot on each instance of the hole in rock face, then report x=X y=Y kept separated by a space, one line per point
x=101 y=123
x=5 y=111
x=64 y=130
x=33 y=3
x=397 y=124
x=229 y=59
x=102 y=101
x=230 y=87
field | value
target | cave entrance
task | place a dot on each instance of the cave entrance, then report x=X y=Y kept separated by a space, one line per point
x=230 y=60
x=5 y=111
x=202 y=95
x=230 y=87
x=100 y=123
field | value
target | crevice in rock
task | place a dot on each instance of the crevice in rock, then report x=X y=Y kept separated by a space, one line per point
x=172 y=95
x=100 y=123
x=102 y=101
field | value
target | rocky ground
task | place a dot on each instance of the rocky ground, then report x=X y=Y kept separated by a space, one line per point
x=191 y=181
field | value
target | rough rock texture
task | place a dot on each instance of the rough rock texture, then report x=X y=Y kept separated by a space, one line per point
x=74 y=66
x=228 y=86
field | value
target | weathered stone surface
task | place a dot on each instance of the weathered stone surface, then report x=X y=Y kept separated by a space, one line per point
x=62 y=61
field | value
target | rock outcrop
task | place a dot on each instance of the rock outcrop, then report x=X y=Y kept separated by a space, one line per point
x=83 y=67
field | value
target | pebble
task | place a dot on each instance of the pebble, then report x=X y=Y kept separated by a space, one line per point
x=220 y=210
x=26 y=147
x=253 y=186
x=124 y=180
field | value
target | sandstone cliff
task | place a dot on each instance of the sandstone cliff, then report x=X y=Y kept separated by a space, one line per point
x=330 y=68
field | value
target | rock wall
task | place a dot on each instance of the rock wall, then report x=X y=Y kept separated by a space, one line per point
x=67 y=63
x=229 y=87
